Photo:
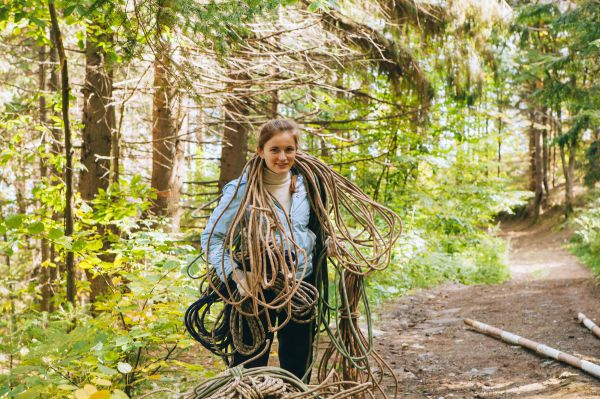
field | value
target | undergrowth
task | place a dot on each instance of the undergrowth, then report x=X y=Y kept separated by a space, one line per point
x=585 y=242
x=425 y=262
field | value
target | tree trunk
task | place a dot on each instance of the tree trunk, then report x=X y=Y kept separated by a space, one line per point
x=98 y=121
x=165 y=144
x=569 y=172
x=54 y=87
x=499 y=147
x=531 y=174
x=98 y=127
x=553 y=126
x=235 y=135
x=538 y=165
x=45 y=281
x=65 y=93
x=116 y=147
x=545 y=155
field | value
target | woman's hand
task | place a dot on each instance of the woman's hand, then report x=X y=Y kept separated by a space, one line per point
x=242 y=280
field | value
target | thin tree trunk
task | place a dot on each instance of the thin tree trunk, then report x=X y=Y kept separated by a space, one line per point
x=531 y=174
x=274 y=113
x=499 y=149
x=553 y=134
x=323 y=146
x=545 y=157
x=569 y=172
x=553 y=166
x=539 y=188
x=45 y=282
x=54 y=87
x=12 y=319
x=65 y=92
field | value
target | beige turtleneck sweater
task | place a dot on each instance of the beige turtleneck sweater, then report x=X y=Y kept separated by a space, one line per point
x=279 y=186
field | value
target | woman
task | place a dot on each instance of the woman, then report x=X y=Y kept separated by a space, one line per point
x=265 y=245
x=269 y=239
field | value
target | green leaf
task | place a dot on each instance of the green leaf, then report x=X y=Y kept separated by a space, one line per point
x=35 y=228
x=55 y=233
x=94 y=245
x=37 y=22
x=171 y=264
x=78 y=245
x=69 y=10
x=14 y=221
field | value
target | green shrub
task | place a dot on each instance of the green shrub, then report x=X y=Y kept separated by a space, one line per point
x=585 y=242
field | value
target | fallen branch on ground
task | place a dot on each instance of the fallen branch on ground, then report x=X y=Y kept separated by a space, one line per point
x=542 y=349
x=589 y=324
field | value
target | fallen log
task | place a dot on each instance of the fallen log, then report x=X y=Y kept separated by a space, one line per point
x=542 y=349
x=589 y=324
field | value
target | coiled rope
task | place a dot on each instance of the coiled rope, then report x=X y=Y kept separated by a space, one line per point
x=272 y=383
x=360 y=235
x=217 y=325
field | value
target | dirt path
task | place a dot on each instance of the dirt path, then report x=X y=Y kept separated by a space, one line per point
x=436 y=356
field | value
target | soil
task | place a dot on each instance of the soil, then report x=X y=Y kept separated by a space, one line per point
x=435 y=355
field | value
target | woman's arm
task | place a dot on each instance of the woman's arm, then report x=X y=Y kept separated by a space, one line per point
x=218 y=224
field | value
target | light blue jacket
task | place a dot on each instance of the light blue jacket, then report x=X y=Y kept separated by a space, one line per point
x=299 y=215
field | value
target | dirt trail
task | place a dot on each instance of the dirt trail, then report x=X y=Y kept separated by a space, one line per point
x=434 y=355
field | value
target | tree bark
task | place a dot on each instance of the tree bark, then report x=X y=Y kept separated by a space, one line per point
x=538 y=166
x=545 y=153
x=235 y=134
x=167 y=150
x=568 y=166
x=54 y=87
x=98 y=127
x=98 y=121
x=65 y=92
x=116 y=148
x=531 y=174
x=499 y=140
x=44 y=277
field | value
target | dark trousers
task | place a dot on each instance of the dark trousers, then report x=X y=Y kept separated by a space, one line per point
x=295 y=344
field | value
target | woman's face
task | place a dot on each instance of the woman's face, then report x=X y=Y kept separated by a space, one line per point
x=279 y=152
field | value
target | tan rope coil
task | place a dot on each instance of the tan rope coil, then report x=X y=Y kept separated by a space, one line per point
x=273 y=383
x=361 y=235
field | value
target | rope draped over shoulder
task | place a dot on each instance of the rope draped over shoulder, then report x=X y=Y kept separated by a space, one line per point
x=360 y=235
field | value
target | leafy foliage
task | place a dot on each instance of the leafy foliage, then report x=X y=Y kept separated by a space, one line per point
x=585 y=242
x=448 y=162
x=132 y=342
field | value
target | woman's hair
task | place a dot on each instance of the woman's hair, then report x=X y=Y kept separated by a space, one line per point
x=275 y=126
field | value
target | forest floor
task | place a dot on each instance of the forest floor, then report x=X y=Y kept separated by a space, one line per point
x=435 y=355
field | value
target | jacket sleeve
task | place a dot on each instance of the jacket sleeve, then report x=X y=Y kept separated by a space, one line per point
x=221 y=219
